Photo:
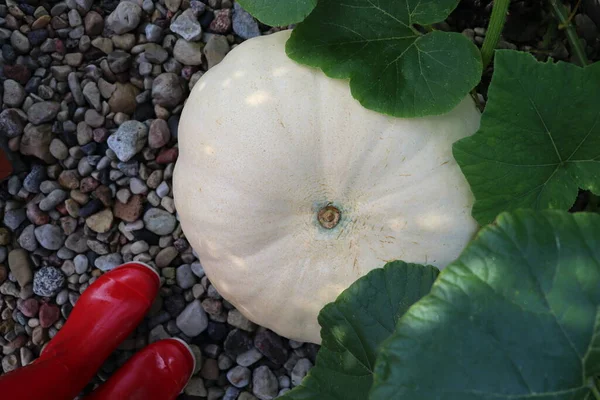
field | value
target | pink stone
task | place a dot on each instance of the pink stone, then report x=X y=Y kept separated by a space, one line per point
x=167 y=156
x=222 y=21
x=49 y=314
x=29 y=307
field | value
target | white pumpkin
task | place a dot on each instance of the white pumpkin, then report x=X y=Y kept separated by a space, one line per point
x=289 y=190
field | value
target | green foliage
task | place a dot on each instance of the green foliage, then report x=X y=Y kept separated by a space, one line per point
x=353 y=327
x=539 y=139
x=279 y=12
x=393 y=68
x=517 y=316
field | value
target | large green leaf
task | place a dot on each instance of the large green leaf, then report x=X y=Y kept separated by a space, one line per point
x=539 y=139
x=278 y=12
x=516 y=317
x=393 y=68
x=353 y=327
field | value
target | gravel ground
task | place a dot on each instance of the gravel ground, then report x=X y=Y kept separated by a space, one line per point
x=91 y=94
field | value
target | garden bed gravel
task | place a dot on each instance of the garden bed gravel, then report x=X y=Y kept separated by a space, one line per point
x=91 y=93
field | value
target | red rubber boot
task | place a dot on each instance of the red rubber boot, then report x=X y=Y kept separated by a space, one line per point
x=158 y=372
x=105 y=315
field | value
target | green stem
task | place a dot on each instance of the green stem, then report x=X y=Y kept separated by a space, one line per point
x=594 y=389
x=494 y=30
x=562 y=13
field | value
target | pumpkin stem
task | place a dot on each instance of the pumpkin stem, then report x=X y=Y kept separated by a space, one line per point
x=329 y=217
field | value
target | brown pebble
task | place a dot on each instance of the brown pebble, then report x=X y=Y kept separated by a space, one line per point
x=68 y=224
x=35 y=215
x=41 y=22
x=6 y=326
x=88 y=184
x=4 y=236
x=39 y=336
x=159 y=134
x=212 y=306
x=93 y=23
x=17 y=72
x=36 y=142
x=3 y=274
x=79 y=197
x=210 y=369
x=104 y=194
x=72 y=208
x=100 y=222
x=69 y=179
x=130 y=211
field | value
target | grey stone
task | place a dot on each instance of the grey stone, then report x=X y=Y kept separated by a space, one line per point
x=108 y=262
x=193 y=319
x=129 y=139
x=51 y=237
x=586 y=27
x=187 y=26
x=264 y=383
x=195 y=387
x=53 y=199
x=163 y=189
x=185 y=277
x=75 y=88
x=81 y=264
x=20 y=266
x=83 y=6
x=239 y=376
x=77 y=242
x=158 y=333
x=159 y=221
x=36 y=142
x=166 y=256
x=14 y=218
x=61 y=72
x=125 y=18
x=244 y=25
x=300 y=370
x=10 y=363
x=58 y=149
x=216 y=49
x=14 y=94
x=20 y=42
x=155 y=53
x=11 y=123
x=188 y=53
x=153 y=33
x=197 y=269
x=62 y=297
x=48 y=281
x=27 y=239
x=119 y=61
x=34 y=179
x=41 y=112
x=8 y=288
x=167 y=90
x=92 y=95
x=235 y=318
x=249 y=357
